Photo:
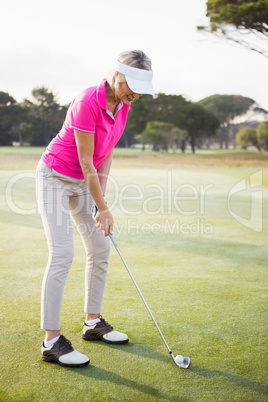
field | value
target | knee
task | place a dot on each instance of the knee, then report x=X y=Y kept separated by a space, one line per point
x=106 y=247
x=63 y=255
x=101 y=248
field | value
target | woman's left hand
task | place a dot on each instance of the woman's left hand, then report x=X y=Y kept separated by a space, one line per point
x=105 y=222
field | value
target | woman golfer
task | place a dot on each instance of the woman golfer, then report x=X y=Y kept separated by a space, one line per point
x=71 y=178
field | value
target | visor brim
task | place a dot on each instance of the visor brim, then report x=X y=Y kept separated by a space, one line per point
x=140 y=87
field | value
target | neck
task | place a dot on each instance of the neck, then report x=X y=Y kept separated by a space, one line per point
x=110 y=94
x=111 y=98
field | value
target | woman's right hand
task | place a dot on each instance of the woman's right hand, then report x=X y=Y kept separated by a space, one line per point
x=105 y=222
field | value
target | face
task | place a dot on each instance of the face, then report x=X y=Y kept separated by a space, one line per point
x=125 y=94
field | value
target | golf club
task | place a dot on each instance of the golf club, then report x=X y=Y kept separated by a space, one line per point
x=182 y=362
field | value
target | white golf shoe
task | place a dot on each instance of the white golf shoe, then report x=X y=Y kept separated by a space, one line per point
x=64 y=354
x=102 y=331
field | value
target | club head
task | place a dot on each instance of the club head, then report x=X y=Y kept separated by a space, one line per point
x=183 y=362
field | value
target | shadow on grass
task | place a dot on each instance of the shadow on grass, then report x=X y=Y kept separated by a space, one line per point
x=235 y=379
x=138 y=350
x=101 y=374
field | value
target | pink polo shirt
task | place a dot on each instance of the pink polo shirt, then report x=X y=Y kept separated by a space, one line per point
x=88 y=113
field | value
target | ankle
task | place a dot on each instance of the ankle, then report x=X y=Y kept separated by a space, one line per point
x=51 y=334
x=90 y=316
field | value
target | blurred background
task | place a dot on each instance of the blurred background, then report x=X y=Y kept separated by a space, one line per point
x=54 y=50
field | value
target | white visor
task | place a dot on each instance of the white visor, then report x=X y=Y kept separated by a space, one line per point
x=138 y=80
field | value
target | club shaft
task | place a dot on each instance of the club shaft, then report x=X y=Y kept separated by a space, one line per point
x=141 y=295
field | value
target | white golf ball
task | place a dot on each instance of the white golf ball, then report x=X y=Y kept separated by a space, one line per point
x=179 y=359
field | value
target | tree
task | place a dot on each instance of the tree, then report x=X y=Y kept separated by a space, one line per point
x=227 y=108
x=234 y=19
x=157 y=134
x=198 y=122
x=45 y=117
x=168 y=108
x=139 y=115
x=177 y=138
x=262 y=134
x=247 y=136
x=187 y=116
x=11 y=114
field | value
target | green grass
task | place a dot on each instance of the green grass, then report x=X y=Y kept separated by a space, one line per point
x=207 y=290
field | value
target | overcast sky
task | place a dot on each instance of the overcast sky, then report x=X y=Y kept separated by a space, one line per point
x=71 y=45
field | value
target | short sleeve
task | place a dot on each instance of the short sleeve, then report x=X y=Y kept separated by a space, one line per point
x=83 y=117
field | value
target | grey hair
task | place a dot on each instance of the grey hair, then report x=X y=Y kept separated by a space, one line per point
x=132 y=58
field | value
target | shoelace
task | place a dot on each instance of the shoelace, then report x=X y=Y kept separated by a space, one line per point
x=65 y=344
x=105 y=324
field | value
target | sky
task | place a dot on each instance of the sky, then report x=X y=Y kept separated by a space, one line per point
x=68 y=46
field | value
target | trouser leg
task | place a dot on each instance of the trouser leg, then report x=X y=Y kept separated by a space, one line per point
x=53 y=203
x=97 y=248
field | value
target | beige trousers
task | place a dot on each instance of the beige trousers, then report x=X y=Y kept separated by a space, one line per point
x=63 y=200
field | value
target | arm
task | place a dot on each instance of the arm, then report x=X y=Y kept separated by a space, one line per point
x=103 y=171
x=85 y=149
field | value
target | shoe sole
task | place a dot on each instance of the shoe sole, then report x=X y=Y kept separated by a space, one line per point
x=52 y=360
x=94 y=338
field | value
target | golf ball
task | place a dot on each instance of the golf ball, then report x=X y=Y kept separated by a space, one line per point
x=179 y=359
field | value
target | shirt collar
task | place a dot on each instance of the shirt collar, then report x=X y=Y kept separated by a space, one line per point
x=101 y=96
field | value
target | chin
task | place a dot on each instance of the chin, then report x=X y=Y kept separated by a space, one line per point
x=126 y=101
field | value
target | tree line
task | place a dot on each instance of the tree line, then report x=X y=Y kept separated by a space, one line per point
x=34 y=121
x=164 y=121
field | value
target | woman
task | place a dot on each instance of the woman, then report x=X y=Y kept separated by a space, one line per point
x=71 y=178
